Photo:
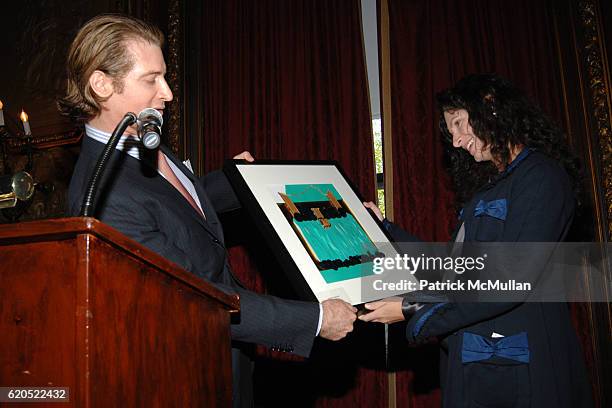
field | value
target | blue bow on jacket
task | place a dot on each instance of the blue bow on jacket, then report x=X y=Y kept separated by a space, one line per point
x=478 y=348
x=495 y=208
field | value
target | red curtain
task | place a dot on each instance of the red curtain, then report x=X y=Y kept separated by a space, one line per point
x=286 y=79
x=433 y=44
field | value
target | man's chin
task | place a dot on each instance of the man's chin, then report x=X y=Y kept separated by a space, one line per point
x=131 y=130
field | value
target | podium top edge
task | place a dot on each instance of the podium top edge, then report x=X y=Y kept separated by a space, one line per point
x=71 y=228
x=56 y=226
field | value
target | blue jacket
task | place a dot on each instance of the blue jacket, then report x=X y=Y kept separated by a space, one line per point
x=537 y=205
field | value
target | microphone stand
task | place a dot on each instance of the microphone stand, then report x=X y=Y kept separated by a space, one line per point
x=87 y=208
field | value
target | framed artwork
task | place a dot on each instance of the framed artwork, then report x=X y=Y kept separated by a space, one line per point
x=314 y=220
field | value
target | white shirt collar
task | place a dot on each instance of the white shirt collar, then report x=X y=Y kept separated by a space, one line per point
x=132 y=146
x=127 y=143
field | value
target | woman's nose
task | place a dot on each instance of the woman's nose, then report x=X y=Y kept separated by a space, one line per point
x=456 y=139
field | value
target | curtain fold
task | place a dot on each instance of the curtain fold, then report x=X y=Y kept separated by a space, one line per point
x=286 y=79
x=433 y=44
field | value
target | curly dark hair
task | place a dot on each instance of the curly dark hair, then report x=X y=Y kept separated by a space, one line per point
x=502 y=116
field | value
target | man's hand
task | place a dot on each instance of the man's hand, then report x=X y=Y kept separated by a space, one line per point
x=388 y=310
x=246 y=155
x=374 y=208
x=338 y=318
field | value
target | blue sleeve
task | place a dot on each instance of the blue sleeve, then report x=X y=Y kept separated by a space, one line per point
x=397 y=233
x=540 y=209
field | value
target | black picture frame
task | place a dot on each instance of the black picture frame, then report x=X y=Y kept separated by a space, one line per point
x=287 y=225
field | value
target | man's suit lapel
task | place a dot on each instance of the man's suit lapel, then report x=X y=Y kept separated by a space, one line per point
x=207 y=207
x=212 y=221
x=146 y=170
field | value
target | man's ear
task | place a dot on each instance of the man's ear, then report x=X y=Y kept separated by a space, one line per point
x=101 y=84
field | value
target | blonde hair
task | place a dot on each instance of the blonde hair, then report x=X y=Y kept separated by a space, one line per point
x=101 y=45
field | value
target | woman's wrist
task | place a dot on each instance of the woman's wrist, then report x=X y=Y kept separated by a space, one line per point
x=410 y=308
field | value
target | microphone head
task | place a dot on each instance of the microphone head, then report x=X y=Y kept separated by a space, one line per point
x=149 y=127
x=150 y=114
x=151 y=139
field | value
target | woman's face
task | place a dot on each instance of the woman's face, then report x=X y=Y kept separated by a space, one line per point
x=459 y=127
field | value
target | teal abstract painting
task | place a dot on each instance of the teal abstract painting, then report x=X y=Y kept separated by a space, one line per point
x=336 y=242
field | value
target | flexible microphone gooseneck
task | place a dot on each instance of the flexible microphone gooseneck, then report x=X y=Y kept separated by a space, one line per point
x=87 y=208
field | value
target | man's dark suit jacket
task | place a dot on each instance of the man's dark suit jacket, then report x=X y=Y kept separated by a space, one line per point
x=140 y=203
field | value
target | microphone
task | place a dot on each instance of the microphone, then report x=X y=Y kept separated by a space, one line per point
x=88 y=206
x=149 y=127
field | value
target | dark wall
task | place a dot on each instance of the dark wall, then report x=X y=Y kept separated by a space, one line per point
x=34 y=40
x=606 y=18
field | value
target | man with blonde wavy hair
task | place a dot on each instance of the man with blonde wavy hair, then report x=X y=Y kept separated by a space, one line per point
x=115 y=66
x=101 y=55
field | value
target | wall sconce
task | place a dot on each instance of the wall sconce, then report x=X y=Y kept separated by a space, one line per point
x=18 y=187
x=15 y=186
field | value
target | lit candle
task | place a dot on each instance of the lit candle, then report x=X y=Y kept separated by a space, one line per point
x=1 y=114
x=26 y=124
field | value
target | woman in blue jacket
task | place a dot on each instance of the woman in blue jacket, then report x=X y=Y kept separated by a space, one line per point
x=516 y=182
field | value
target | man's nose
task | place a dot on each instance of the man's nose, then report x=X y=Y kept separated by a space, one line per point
x=165 y=91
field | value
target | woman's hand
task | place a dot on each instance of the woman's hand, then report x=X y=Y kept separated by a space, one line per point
x=246 y=155
x=374 y=208
x=387 y=310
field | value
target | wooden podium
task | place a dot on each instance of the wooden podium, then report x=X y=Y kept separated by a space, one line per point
x=82 y=306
